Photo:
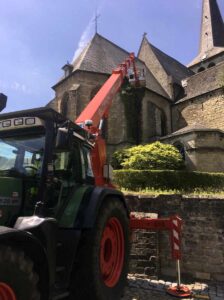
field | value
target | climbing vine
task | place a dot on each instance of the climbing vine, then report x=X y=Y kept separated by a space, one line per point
x=222 y=82
x=132 y=100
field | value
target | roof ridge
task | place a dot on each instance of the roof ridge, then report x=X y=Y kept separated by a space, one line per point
x=112 y=43
x=82 y=53
x=171 y=66
x=157 y=49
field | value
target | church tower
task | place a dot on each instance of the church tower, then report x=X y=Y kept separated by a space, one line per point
x=211 y=49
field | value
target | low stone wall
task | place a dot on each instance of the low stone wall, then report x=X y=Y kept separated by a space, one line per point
x=202 y=238
x=144 y=252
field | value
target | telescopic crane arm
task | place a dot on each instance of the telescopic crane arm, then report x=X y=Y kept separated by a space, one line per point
x=97 y=110
x=99 y=106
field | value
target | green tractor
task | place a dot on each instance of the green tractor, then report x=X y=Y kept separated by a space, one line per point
x=61 y=237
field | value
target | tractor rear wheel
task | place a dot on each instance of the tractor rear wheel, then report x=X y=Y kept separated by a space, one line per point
x=17 y=278
x=102 y=259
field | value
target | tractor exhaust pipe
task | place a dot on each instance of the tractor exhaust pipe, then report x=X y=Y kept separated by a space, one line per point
x=3 y=101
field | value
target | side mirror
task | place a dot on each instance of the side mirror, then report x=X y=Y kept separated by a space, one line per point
x=62 y=139
x=3 y=101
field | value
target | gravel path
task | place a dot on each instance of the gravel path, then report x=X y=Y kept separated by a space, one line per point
x=142 y=288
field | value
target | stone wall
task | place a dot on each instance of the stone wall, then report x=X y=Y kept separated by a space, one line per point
x=203 y=148
x=202 y=238
x=156 y=117
x=206 y=110
x=148 y=56
x=144 y=250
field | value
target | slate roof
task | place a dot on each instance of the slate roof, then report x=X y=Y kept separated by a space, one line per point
x=172 y=67
x=102 y=56
x=204 y=82
x=217 y=24
x=196 y=127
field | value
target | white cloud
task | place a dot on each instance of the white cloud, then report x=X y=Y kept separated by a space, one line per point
x=85 y=37
x=88 y=32
x=19 y=87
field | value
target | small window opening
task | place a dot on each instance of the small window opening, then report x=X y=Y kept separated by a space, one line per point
x=212 y=64
x=201 y=69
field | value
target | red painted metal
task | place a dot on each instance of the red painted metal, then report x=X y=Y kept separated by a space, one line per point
x=172 y=224
x=181 y=291
x=6 y=292
x=98 y=109
x=175 y=235
x=112 y=252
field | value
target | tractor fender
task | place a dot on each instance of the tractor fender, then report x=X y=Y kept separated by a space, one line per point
x=33 y=249
x=87 y=215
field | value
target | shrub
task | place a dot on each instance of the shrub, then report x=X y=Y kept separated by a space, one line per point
x=136 y=180
x=155 y=156
x=118 y=158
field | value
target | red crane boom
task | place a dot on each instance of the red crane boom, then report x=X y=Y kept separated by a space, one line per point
x=97 y=110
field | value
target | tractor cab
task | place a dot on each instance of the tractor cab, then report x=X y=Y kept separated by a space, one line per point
x=42 y=157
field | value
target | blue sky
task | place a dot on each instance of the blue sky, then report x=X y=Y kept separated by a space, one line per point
x=39 y=36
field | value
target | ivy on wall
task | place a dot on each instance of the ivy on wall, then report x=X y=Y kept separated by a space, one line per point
x=132 y=100
x=222 y=82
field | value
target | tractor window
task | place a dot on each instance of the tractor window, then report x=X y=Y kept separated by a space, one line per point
x=7 y=156
x=61 y=161
x=67 y=163
x=22 y=154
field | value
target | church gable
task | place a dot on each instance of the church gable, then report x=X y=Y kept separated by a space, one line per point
x=166 y=69
x=100 y=56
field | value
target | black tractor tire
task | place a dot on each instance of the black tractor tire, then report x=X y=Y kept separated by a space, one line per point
x=88 y=281
x=16 y=272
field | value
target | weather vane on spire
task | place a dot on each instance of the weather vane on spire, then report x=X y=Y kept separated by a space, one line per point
x=96 y=22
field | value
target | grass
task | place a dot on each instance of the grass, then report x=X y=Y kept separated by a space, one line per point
x=195 y=193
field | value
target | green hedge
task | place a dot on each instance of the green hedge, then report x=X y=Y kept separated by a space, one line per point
x=135 y=180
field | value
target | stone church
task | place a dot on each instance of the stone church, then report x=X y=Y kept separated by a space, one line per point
x=182 y=105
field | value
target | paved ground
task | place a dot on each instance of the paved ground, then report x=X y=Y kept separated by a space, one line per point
x=141 y=288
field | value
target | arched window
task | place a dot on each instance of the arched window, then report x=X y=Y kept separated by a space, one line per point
x=201 y=69
x=212 y=64
x=163 y=124
x=180 y=148
x=64 y=104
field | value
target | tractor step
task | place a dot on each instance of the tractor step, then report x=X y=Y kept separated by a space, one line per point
x=60 y=269
x=60 y=295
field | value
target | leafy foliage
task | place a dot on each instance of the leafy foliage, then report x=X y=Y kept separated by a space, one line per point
x=136 y=180
x=118 y=158
x=132 y=100
x=222 y=81
x=155 y=156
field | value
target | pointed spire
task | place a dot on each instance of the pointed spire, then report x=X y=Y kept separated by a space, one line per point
x=212 y=27
x=212 y=33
